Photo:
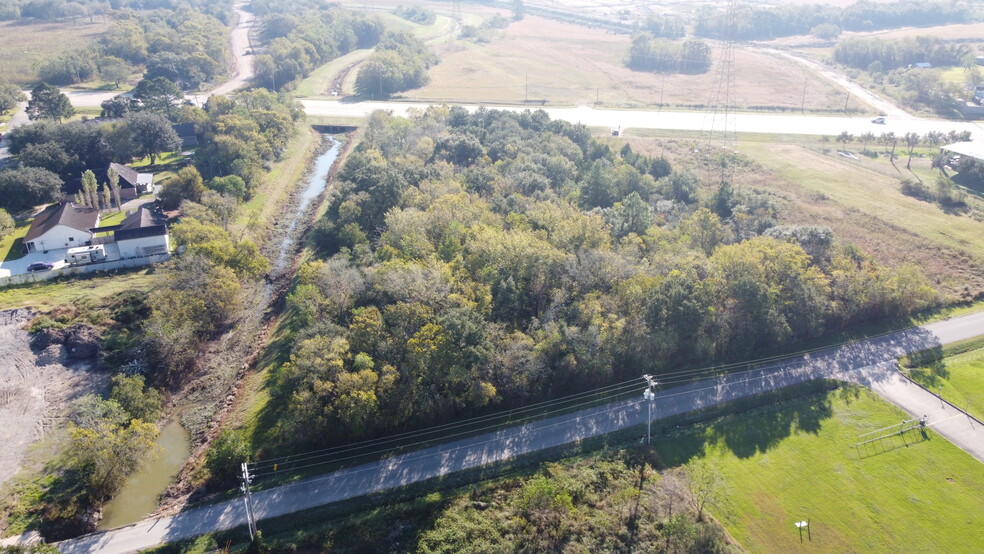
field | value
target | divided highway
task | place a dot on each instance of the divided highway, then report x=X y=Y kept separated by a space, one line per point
x=869 y=362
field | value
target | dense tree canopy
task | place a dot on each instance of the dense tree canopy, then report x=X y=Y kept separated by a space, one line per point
x=478 y=259
x=399 y=62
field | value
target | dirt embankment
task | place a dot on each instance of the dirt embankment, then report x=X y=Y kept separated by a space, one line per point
x=36 y=387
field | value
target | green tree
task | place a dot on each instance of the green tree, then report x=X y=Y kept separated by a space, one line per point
x=105 y=455
x=113 y=69
x=150 y=134
x=114 y=187
x=89 y=188
x=230 y=449
x=158 y=95
x=10 y=95
x=186 y=185
x=47 y=102
x=26 y=187
x=7 y=223
x=139 y=401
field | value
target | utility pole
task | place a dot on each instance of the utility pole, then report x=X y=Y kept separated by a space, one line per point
x=248 y=501
x=650 y=396
x=803 y=104
x=527 y=97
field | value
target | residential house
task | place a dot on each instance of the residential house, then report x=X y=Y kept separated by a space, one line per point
x=133 y=183
x=186 y=132
x=143 y=233
x=64 y=225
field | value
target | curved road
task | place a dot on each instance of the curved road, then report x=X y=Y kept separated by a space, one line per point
x=869 y=362
x=242 y=73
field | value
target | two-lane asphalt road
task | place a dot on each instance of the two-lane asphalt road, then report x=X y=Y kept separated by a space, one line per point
x=790 y=124
x=868 y=362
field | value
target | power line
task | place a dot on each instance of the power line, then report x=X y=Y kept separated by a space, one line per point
x=602 y=393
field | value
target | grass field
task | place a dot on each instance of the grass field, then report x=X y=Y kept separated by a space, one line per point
x=927 y=497
x=578 y=65
x=45 y=295
x=11 y=245
x=25 y=46
x=278 y=182
x=958 y=376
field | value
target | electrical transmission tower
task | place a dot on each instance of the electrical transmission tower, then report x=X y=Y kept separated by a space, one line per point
x=720 y=131
x=456 y=21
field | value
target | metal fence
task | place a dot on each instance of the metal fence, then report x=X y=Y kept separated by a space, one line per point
x=80 y=269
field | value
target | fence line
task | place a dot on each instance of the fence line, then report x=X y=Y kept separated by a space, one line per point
x=80 y=269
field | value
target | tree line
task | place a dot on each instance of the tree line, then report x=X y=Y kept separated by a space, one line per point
x=756 y=23
x=81 y=10
x=493 y=259
x=186 y=46
x=650 y=53
x=399 y=62
x=890 y=54
x=302 y=36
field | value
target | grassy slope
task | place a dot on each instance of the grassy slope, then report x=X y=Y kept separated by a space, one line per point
x=45 y=295
x=872 y=192
x=900 y=500
x=25 y=46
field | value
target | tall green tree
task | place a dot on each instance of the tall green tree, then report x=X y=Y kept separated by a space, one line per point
x=158 y=95
x=10 y=95
x=47 y=102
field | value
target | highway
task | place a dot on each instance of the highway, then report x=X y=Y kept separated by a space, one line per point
x=869 y=362
x=745 y=122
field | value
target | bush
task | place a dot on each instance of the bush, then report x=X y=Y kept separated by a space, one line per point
x=228 y=451
x=7 y=223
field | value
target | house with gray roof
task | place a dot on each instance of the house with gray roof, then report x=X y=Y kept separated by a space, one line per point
x=132 y=182
x=63 y=225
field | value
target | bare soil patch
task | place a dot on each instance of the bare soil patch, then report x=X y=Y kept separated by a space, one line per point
x=35 y=389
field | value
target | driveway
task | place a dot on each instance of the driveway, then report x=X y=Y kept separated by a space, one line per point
x=55 y=256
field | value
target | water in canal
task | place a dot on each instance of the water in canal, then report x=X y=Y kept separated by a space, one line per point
x=316 y=184
x=139 y=495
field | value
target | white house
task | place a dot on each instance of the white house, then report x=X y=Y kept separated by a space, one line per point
x=142 y=233
x=64 y=225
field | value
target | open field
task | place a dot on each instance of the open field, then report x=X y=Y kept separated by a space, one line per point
x=25 y=46
x=961 y=31
x=794 y=461
x=45 y=295
x=576 y=65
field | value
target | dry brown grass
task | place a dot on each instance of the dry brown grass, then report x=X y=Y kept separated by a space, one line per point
x=861 y=203
x=26 y=46
x=571 y=64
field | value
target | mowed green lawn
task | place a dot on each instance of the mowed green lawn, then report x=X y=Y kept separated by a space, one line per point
x=927 y=497
x=961 y=382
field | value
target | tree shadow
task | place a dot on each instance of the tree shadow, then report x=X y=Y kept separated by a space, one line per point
x=752 y=426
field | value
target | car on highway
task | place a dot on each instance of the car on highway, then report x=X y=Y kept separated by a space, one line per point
x=41 y=266
x=879 y=120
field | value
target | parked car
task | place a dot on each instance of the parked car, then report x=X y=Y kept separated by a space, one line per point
x=41 y=266
x=879 y=120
